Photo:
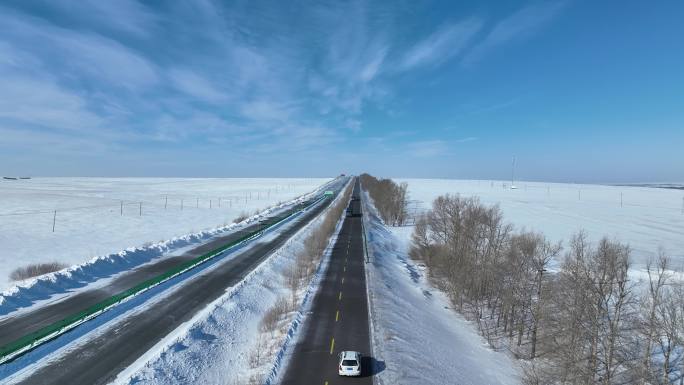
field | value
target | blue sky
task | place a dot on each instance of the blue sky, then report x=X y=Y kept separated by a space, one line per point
x=580 y=91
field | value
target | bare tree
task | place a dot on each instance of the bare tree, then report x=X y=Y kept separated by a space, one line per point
x=652 y=304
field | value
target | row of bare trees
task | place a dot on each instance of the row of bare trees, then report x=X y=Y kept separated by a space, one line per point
x=306 y=261
x=390 y=198
x=582 y=320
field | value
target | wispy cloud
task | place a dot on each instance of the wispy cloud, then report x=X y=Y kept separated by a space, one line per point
x=196 y=86
x=519 y=25
x=466 y=139
x=428 y=148
x=206 y=73
x=443 y=44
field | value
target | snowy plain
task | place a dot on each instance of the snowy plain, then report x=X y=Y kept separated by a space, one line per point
x=417 y=337
x=646 y=218
x=105 y=216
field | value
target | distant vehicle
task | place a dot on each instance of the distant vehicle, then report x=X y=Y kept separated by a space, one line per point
x=350 y=363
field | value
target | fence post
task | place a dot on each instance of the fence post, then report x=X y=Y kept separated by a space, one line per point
x=141 y=209
x=54 y=218
x=166 y=201
x=122 y=208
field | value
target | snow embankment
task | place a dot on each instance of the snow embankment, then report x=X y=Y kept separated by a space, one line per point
x=417 y=337
x=646 y=218
x=100 y=270
x=102 y=216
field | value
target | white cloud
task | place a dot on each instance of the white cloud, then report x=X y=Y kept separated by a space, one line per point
x=39 y=101
x=196 y=86
x=465 y=140
x=443 y=44
x=76 y=54
x=519 y=25
x=427 y=148
x=372 y=68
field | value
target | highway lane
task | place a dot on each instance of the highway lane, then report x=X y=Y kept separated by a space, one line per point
x=339 y=315
x=120 y=343
x=13 y=327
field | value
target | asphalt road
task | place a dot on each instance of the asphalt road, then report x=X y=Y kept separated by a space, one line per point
x=120 y=343
x=339 y=317
x=15 y=327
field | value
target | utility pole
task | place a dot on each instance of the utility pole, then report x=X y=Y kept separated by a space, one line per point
x=141 y=209
x=54 y=218
x=197 y=203
x=166 y=201
x=181 y=204
x=620 y=199
x=513 y=173
x=122 y=208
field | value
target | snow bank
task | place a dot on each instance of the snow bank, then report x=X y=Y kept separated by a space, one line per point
x=91 y=219
x=644 y=217
x=417 y=338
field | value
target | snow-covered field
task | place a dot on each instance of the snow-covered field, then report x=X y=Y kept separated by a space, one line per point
x=417 y=338
x=646 y=218
x=103 y=216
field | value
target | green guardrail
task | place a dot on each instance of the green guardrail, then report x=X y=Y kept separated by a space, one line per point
x=47 y=333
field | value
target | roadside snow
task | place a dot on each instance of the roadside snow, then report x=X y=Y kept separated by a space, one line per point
x=417 y=338
x=647 y=218
x=91 y=221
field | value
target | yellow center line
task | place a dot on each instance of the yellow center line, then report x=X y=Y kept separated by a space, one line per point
x=332 y=345
x=337 y=316
x=340 y=297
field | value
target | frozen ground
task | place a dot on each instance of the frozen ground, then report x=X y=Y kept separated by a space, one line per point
x=102 y=216
x=417 y=338
x=647 y=218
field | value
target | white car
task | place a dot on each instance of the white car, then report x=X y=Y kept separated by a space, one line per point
x=349 y=363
